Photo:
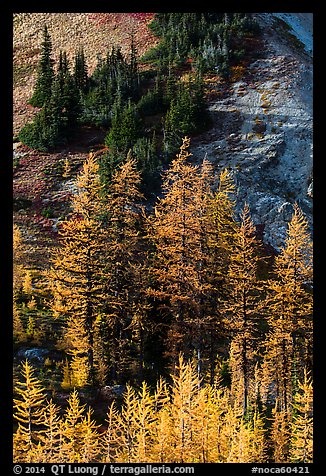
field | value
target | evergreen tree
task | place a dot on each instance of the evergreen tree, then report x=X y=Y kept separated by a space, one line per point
x=179 y=120
x=133 y=68
x=63 y=69
x=40 y=134
x=148 y=162
x=67 y=96
x=201 y=116
x=170 y=86
x=47 y=129
x=186 y=114
x=60 y=112
x=301 y=448
x=124 y=130
x=153 y=101
x=71 y=102
x=80 y=74
x=210 y=40
x=45 y=75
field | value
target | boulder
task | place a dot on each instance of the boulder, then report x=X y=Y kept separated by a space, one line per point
x=112 y=391
x=35 y=354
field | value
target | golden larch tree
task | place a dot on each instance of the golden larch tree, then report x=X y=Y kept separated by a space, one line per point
x=174 y=231
x=76 y=277
x=183 y=410
x=111 y=438
x=90 y=447
x=181 y=263
x=18 y=260
x=301 y=446
x=29 y=408
x=280 y=434
x=52 y=436
x=73 y=429
x=162 y=431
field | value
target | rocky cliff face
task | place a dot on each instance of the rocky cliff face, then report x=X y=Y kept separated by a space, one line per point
x=266 y=125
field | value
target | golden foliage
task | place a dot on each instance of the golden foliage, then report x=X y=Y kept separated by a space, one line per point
x=18 y=261
x=289 y=307
x=280 y=435
x=185 y=273
x=243 y=306
x=200 y=269
x=29 y=407
x=184 y=422
x=301 y=448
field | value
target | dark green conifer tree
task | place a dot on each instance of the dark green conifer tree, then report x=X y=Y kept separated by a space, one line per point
x=179 y=119
x=170 y=87
x=125 y=128
x=148 y=162
x=133 y=69
x=45 y=76
x=67 y=96
x=45 y=131
x=71 y=101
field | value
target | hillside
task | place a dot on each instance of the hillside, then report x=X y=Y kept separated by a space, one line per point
x=96 y=32
x=39 y=198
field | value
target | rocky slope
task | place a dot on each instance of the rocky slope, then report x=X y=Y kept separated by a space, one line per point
x=267 y=126
x=95 y=32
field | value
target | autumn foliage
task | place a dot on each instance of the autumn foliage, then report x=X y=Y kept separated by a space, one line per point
x=171 y=302
x=181 y=422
